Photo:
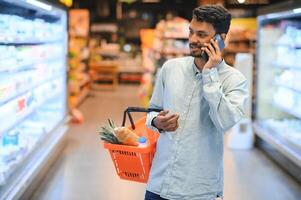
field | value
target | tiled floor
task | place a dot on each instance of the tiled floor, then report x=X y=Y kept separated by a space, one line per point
x=85 y=172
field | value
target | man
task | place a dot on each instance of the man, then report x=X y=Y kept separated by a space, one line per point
x=200 y=100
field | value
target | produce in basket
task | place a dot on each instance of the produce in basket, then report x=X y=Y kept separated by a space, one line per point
x=107 y=133
x=118 y=135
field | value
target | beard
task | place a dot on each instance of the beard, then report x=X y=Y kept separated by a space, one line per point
x=195 y=50
x=195 y=54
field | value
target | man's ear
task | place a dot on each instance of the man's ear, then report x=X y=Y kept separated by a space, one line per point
x=223 y=35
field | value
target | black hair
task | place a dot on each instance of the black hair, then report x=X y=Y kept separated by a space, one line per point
x=216 y=15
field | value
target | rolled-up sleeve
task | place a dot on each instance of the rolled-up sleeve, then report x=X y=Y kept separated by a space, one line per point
x=227 y=101
x=156 y=99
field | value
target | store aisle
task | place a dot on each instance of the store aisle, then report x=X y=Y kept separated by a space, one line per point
x=85 y=172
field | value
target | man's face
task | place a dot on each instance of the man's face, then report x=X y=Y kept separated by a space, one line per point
x=199 y=33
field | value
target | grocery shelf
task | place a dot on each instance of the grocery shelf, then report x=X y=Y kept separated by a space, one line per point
x=292 y=46
x=28 y=42
x=79 y=77
x=175 y=52
x=28 y=65
x=12 y=165
x=172 y=52
x=287 y=110
x=85 y=80
x=19 y=119
x=242 y=39
x=84 y=93
x=176 y=37
x=288 y=87
x=33 y=69
x=238 y=50
x=105 y=71
x=281 y=145
x=79 y=98
x=278 y=112
x=130 y=77
x=3 y=101
x=286 y=66
x=32 y=163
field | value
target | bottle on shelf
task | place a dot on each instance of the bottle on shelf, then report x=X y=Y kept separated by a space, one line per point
x=11 y=138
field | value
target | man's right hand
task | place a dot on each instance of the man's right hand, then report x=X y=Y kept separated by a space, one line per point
x=166 y=122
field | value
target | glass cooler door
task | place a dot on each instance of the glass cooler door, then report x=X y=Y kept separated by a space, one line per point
x=278 y=104
x=33 y=64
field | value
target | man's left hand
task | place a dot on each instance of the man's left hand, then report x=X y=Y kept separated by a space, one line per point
x=214 y=54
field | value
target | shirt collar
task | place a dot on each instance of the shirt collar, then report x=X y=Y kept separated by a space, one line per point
x=196 y=70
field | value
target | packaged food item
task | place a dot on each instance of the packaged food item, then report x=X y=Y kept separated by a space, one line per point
x=118 y=135
x=126 y=136
x=11 y=138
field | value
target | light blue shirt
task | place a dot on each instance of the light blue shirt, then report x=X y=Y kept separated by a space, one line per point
x=188 y=164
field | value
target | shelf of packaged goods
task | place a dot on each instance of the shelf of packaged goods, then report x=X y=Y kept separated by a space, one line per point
x=288 y=87
x=288 y=110
x=79 y=58
x=286 y=66
x=81 y=67
x=277 y=142
x=84 y=58
x=86 y=80
x=6 y=98
x=13 y=42
x=23 y=112
x=242 y=40
x=75 y=101
x=137 y=68
x=168 y=52
x=76 y=36
x=21 y=66
x=291 y=46
x=104 y=72
x=126 y=77
x=20 y=173
x=181 y=37
x=23 y=153
x=237 y=50
x=174 y=52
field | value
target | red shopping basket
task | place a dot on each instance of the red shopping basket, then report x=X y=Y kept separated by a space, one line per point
x=133 y=163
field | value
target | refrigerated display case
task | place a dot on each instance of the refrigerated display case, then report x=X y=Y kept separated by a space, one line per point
x=278 y=101
x=33 y=108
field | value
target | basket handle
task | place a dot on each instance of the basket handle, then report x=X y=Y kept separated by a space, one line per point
x=137 y=109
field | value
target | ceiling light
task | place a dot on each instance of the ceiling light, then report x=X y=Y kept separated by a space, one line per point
x=241 y=1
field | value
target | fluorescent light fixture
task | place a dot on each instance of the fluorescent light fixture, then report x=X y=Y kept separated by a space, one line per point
x=297 y=10
x=241 y=1
x=40 y=4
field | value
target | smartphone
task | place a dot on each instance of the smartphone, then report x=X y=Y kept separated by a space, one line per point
x=220 y=43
